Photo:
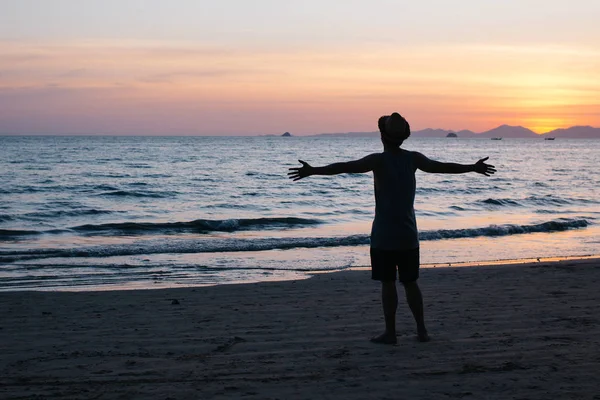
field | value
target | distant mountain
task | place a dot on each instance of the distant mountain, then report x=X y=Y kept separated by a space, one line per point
x=430 y=133
x=575 y=132
x=425 y=133
x=440 y=133
x=503 y=131
x=465 y=133
x=507 y=131
x=348 y=134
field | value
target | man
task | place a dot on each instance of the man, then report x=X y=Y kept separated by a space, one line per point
x=394 y=235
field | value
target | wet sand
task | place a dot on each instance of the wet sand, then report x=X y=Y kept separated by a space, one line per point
x=528 y=331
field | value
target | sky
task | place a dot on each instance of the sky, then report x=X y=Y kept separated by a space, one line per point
x=238 y=67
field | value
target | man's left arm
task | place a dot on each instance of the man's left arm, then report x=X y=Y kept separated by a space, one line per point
x=427 y=165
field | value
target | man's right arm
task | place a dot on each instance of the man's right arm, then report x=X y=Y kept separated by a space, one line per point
x=436 y=167
x=365 y=164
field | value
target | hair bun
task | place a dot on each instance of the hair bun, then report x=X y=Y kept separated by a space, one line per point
x=396 y=128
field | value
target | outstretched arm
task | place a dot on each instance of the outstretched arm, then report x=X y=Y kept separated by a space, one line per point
x=427 y=165
x=365 y=164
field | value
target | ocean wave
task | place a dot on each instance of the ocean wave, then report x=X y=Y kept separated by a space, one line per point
x=64 y=213
x=138 y=165
x=585 y=201
x=185 y=247
x=548 y=211
x=168 y=269
x=10 y=234
x=547 y=200
x=501 y=202
x=6 y=217
x=53 y=214
x=426 y=190
x=199 y=225
x=196 y=226
x=425 y=213
x=101 y=187
x=458 y=208
x=26 y=190
x=242 y=207
x=221 y=245
x=544 y=200
x=264 y=175
x=95 y=174
x=453 y=190
x=561 y=224
x=130 y=193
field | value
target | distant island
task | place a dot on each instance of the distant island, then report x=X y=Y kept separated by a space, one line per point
x=287 y=134
x=503 y=131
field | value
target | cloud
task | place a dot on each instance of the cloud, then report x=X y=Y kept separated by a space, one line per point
x=73 y=73
x=201 y=73
x=534 y=49
x=131 y=81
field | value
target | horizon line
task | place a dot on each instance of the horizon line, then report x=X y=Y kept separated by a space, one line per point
x=5 y=134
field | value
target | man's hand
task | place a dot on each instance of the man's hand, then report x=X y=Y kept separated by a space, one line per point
x=482 y=168
x=301 y=172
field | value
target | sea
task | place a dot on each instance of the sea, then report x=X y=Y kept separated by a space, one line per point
x=141 y=212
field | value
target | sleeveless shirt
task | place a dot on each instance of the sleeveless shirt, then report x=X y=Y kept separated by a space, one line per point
x=395 y=225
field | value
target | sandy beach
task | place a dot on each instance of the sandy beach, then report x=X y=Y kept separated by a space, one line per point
x=526 y=331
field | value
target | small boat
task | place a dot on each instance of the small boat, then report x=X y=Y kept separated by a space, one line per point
x=496 y=138
x=549 y=138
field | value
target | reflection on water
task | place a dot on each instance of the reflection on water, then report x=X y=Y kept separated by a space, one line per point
x=153 y=212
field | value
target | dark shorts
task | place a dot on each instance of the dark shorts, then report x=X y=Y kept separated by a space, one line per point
x=385 y=262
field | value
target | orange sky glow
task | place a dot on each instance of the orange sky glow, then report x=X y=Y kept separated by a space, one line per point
x=150 y=86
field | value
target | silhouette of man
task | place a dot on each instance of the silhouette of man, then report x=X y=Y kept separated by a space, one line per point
x=394 y=236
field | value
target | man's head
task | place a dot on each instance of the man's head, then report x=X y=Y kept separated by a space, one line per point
x=394 y=129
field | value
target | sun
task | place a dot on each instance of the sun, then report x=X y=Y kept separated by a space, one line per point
x=543 y=125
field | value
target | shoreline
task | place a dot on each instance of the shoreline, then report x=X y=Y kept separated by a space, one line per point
x=498 y=331
x=302 y=275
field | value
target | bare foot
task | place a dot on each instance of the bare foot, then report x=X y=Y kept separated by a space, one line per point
x=423 y=336
x=385 y=338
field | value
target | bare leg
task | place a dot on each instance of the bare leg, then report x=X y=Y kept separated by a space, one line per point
x=389 y=300
x=414 y=298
